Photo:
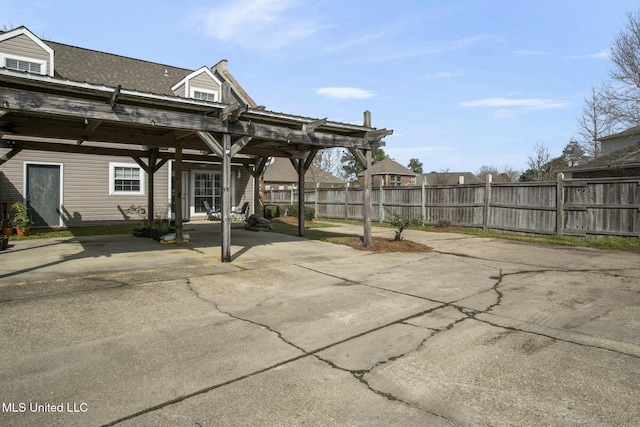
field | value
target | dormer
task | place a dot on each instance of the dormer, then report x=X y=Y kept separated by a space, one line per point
x=21 y=50
x=200 y=84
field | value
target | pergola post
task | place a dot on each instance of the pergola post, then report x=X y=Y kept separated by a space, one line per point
x=301 y=172
x=225 y=256
x=153 y=153
x=366 y=237
x=177 y=201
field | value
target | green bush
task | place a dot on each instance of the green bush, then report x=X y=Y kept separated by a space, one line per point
x=271 y=211
x=442 y=223
x=292 y=210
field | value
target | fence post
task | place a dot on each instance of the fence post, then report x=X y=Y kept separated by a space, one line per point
x=346 y=200
x=487 y=203
x=291 y=201
x=560 y=204
x=381 y=202
x=423 y=207
x=315 y=203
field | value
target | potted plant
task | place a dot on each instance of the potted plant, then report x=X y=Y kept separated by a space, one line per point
x=21 y=219
x=7 y=227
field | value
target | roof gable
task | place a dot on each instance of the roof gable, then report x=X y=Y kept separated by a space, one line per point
x=24 y=31
x=192 y=76
x=389 y=166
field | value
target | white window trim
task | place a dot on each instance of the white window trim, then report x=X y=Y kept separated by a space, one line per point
x=192 y=186
x=4 y=57
x=186 y=80
x=22 y=30
x=112 y=190
x=193 y=90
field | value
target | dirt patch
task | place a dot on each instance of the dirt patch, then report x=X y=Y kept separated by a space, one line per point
x=383 y=244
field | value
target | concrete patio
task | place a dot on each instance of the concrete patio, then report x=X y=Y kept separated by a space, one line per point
x=120 y=330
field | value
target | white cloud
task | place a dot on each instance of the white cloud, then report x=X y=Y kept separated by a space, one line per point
x=259 y=24
x=603 y=54
x=528 y=103
x=345 y=93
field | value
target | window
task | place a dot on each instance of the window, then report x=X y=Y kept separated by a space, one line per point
x=396 y=180
x=206 y=186
x=203 y=95
x=22 y=64
x=125 y=179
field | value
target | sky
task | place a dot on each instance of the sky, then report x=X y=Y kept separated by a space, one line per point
x=462 y=83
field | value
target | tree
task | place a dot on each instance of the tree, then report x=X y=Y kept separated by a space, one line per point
x=623 y=97
x=573 y=154
x=595 y=121
x=352 y=168
x=504 y=174
x=538 y=162
x=329 y=160
x=415 y=165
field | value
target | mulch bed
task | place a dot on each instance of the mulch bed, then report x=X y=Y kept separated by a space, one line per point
x=378 y=244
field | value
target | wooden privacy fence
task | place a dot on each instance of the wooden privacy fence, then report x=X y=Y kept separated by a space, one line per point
x=580 y=207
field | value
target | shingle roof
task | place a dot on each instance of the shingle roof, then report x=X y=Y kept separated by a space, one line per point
x=389 y=166
x=451 y=178
x=91 y=66
x=627 y=132
x=281 y=170
x=623 y=158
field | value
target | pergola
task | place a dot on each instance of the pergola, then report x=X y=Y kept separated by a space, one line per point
x=153 y=129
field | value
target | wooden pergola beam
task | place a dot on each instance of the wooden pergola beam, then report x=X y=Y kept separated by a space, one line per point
x=108 y=151
x=52 y=105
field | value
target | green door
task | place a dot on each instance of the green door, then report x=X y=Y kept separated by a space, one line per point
x=43 y=194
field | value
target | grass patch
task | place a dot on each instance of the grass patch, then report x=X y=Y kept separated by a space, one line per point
x=629 y=244
x=93 y=230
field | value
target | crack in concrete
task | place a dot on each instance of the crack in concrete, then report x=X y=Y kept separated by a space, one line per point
x=468 y=313
x=218 y=309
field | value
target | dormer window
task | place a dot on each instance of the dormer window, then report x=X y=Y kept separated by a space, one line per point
x=20 y=50
x=204 y=95
x=23 y=65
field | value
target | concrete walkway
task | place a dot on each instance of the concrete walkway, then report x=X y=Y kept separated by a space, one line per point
x=124 y=331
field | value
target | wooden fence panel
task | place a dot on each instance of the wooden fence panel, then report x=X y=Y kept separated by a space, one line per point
x=524 y=207
x=461 y=204
x=603 y=207
x=587 y=206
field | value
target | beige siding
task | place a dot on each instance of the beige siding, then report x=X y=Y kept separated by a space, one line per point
x=22 y=45
x=243 y=188
x=85 y=185
x=180 y=91
x=203 y=81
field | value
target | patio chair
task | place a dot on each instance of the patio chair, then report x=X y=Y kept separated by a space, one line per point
x=212 y=213
x=240 y=214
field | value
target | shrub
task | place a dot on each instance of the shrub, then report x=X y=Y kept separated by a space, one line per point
x=442 y=223
x=292 y=210
x=271 y=211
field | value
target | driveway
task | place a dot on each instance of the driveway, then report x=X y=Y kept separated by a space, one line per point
x=122 y=331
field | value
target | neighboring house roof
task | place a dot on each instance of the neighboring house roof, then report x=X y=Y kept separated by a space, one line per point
x=628 y=157
x=627 y=132
x=282 y=171
x=451 y=178
x=388 y=166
